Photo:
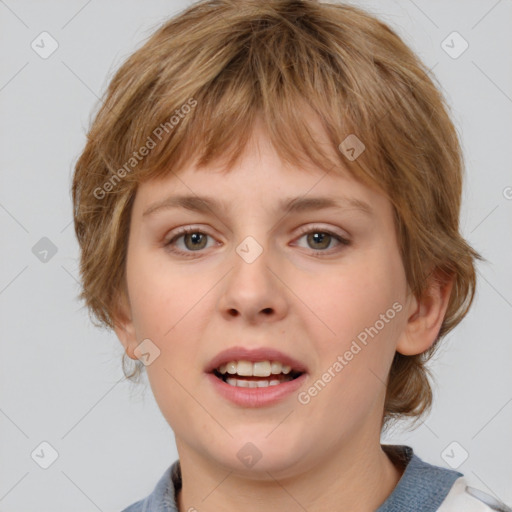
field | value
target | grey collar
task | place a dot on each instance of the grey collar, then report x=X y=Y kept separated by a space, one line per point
x=422 y=486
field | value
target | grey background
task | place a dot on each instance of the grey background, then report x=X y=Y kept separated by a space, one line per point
x=60 y=377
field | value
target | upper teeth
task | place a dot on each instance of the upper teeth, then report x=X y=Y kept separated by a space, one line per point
x=259 y=369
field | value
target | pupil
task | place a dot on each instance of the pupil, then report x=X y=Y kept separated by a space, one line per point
x=319 y=238
x=195 y=237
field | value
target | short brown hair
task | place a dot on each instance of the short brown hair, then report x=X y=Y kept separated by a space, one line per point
x=195 y=89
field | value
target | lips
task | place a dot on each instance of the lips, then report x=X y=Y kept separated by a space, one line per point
x=254 y=356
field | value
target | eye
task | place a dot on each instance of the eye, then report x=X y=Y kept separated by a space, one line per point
x=320 y=239
x=194 y=240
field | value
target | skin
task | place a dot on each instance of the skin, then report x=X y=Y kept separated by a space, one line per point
x=325 y=455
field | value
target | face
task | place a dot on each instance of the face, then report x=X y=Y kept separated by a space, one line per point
x=323 y=286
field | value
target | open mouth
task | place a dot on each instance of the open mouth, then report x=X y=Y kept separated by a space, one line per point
x=261 y=374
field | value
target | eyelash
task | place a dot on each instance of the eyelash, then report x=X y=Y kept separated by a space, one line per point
x=169 y=245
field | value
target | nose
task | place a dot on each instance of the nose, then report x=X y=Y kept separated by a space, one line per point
x=254 y=291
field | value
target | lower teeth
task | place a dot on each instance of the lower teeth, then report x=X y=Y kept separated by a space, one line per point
x=243 y=383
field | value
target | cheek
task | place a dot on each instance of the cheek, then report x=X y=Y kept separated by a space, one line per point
x=353 y=297
x=168 y=307
x=361 y=308
x=364 y=313
x=160 y=298
x=165 y=308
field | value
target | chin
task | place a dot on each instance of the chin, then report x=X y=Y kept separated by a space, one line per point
x=257 y=456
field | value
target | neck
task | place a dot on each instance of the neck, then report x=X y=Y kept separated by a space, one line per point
x=358 y=479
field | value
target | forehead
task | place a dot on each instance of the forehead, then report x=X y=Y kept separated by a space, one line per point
x=262 y=176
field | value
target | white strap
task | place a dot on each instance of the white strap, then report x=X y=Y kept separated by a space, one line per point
x=463 y=498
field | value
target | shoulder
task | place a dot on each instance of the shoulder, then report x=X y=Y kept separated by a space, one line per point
x=162 y=498
x=431 y=488
x=463 y=498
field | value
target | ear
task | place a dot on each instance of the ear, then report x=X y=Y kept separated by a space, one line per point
x=425 y=316
x=123 y=325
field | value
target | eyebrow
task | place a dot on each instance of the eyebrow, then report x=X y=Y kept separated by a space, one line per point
x=292 y=205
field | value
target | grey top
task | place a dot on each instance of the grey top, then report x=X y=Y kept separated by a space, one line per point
x=422 y=487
